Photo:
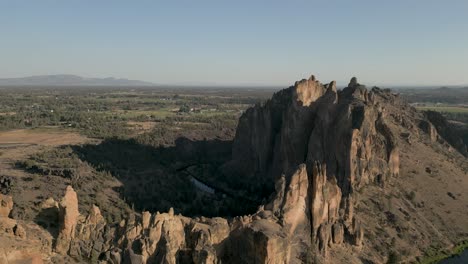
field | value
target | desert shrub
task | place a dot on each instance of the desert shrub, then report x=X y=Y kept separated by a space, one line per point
x=184 y=108
x=411 y=195
x=57 y=161
x=393 y=257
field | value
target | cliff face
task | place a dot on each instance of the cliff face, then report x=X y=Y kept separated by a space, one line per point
x=438 y=125
x=310 y=122
x=272 y=138
x=339 y=140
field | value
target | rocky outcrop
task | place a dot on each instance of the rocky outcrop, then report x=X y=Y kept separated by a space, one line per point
x=429 y=129
x=314 y=148
x=342 y=139
x=149 y=238
x=303 y=213
x=68 y=217
x=310 y=122
x=314 y=145
x=436 y=125
x=271 y=138
x=21 y=242
x=6 y=205
x=326 y=199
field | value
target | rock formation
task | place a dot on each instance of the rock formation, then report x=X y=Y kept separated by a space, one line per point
x=313 y=146
x=341 y=137
x=21 y=242
x=317 y=146
x=68 y=218
x=436 y=124
x=6 y=205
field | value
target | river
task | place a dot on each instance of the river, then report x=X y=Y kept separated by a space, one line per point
x=459 y=259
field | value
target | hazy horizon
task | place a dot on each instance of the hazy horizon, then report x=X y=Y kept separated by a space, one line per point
x=398 y=43
x=341 y=84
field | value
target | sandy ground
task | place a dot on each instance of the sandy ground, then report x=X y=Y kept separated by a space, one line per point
x=18 y=144
x=46 y=137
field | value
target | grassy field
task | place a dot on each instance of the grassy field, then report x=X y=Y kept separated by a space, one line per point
x=107 y=112
x=444 y=109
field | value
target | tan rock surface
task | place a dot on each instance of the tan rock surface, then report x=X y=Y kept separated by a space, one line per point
x=6 y=205
x=68 y=219
x=22 y=242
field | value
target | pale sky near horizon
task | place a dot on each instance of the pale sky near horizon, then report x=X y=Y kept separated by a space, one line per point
x=238 y=42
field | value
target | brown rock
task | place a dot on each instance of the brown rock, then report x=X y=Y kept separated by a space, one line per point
x=259 y=242
x=68 y=219
x=19 y=231
x=338 y=233
x=353 y=82
x=20 y=257
x=439 y=128
x=94 y=216
x=20 y=241
x=307 y=91
x=326 y=198
x=358 y=234
x=6 y=205
x=295 y=203
x=146 y=218
x=277 y=202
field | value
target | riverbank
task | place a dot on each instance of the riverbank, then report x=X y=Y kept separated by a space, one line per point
x=437 y=257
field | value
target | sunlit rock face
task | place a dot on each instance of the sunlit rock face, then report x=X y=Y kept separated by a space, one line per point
x=21 y=242
x=68 y=215
x=6 y=205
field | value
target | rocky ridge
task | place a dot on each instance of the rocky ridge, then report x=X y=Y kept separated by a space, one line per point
x=313 y=202
x=316 y=148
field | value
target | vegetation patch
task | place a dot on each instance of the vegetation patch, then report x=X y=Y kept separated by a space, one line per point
x=434 y=256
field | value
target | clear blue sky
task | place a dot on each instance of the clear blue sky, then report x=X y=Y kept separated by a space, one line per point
x=238 y=42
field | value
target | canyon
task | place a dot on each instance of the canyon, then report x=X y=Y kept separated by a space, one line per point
x=352 y=176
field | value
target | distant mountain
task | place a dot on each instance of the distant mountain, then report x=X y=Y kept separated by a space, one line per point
x=70 y=80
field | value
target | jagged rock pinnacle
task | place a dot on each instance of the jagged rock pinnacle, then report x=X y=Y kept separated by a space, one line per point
x=353 y=82
x=68 y=219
